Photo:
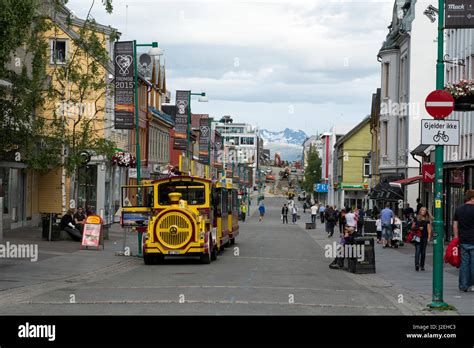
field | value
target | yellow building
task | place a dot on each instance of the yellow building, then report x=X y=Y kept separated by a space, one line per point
x=98 y=184
x=353 y=166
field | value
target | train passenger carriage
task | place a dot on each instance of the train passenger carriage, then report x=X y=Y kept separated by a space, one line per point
x=233 y=212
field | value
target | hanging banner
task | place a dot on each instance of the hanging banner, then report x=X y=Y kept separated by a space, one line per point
x=181 y=126
x=218 y=148
x=204 y=139
x=124 y=97
x=459 y=14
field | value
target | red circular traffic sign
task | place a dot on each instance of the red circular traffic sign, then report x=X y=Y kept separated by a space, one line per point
x=439 y=104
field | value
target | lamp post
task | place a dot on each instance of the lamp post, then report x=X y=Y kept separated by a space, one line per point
x=438 y=240
x=203 y=99
x=154 y=51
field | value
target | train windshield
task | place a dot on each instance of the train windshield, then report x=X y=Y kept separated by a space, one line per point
x=192 y=192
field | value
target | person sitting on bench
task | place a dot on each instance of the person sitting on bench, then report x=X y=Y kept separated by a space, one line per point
x=68 y=226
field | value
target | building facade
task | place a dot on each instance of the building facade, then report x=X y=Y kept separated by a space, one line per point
x=408 y=66
x=353 y=170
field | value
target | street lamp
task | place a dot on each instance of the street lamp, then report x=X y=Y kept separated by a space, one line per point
x=203 y=99
x=154 y=51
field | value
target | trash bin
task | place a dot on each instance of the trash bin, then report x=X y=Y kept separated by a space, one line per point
x=370 y=227
x=367 y=265
x=51 y=221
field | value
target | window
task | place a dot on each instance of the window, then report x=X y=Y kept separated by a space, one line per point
x=386 y=74
x=247 y=141
x=367 y=167
x=58 y=51
x=192 y=192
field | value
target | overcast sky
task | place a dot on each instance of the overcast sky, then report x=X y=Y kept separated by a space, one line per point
x=274 y=63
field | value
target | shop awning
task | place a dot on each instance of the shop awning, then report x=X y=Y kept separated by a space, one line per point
x=384 y=192
x=407 y=181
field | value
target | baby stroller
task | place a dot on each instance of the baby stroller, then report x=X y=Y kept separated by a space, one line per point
x=397 y=234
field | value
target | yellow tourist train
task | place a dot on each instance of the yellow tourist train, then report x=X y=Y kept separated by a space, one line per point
x=182 y=216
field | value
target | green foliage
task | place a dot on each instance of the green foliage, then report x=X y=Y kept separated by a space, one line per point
x=312 y=173
x=41 y=137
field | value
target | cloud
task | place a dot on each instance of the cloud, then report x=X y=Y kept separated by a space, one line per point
x=265 y=55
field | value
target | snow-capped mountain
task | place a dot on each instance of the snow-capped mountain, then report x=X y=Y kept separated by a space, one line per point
x=288 y=142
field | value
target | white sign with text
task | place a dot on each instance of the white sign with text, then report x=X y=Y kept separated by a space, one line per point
x=440 y=132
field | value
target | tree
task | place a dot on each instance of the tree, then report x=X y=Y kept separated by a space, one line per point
x=312 y=173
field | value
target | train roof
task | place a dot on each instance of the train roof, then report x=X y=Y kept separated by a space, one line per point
x=182 y=177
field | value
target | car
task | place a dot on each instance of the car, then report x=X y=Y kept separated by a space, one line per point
x=293 y=170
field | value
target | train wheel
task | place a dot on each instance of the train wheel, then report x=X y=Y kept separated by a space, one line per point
x=214 y=253
x=206 y=258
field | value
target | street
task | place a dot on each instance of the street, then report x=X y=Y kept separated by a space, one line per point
x=272 y=269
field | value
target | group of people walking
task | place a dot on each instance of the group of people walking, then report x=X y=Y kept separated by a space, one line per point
x=287 y=208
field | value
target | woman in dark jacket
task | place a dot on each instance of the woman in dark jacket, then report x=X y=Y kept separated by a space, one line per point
x=422 y=223
x=341 y=218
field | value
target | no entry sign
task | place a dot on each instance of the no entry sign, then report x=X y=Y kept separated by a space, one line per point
x=439 y=104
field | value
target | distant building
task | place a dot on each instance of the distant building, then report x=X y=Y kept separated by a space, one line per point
x=353 y=166
x=315 y=141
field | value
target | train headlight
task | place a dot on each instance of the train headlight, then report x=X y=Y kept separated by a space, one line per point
x=202 y=235
x=145 y=236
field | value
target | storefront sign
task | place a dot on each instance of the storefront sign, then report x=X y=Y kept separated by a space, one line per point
x=204 y=139
x=145 y=173
x=124 y=85
x=459 y=14
x=439 y=132
x=181 y=126
x=92 y=235
x=321 y=187
x=428 y=170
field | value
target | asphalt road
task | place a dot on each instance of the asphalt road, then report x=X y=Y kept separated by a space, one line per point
x=272 y=269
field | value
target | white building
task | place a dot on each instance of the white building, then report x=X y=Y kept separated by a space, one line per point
x=315 y=141
x=408 y=66
x=240 y=141
x=459 y=160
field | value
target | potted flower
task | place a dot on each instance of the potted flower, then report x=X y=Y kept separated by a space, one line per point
x=124 y=159
x=463 y=94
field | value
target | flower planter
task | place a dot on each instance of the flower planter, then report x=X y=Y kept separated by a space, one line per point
x=465 y=103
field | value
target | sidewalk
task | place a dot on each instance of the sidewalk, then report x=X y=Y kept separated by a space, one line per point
x=60 y=260
x=397 y=266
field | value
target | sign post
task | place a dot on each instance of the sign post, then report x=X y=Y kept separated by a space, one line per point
x=438 y=234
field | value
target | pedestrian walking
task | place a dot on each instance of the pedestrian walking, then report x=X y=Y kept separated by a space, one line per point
x=408 y=212
x=341 y=219
x=418 y=206
x=386 y=216
x=284 y=214
x=422 y=225
x=261 y=210
x=463 y=228
x=322 y=209
x=294 y=213
x=360 y=221
x=331 y=218
x=314 y=213
x=378 y=226
x=305 y=206
x=351 y=222
x=243 y=211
